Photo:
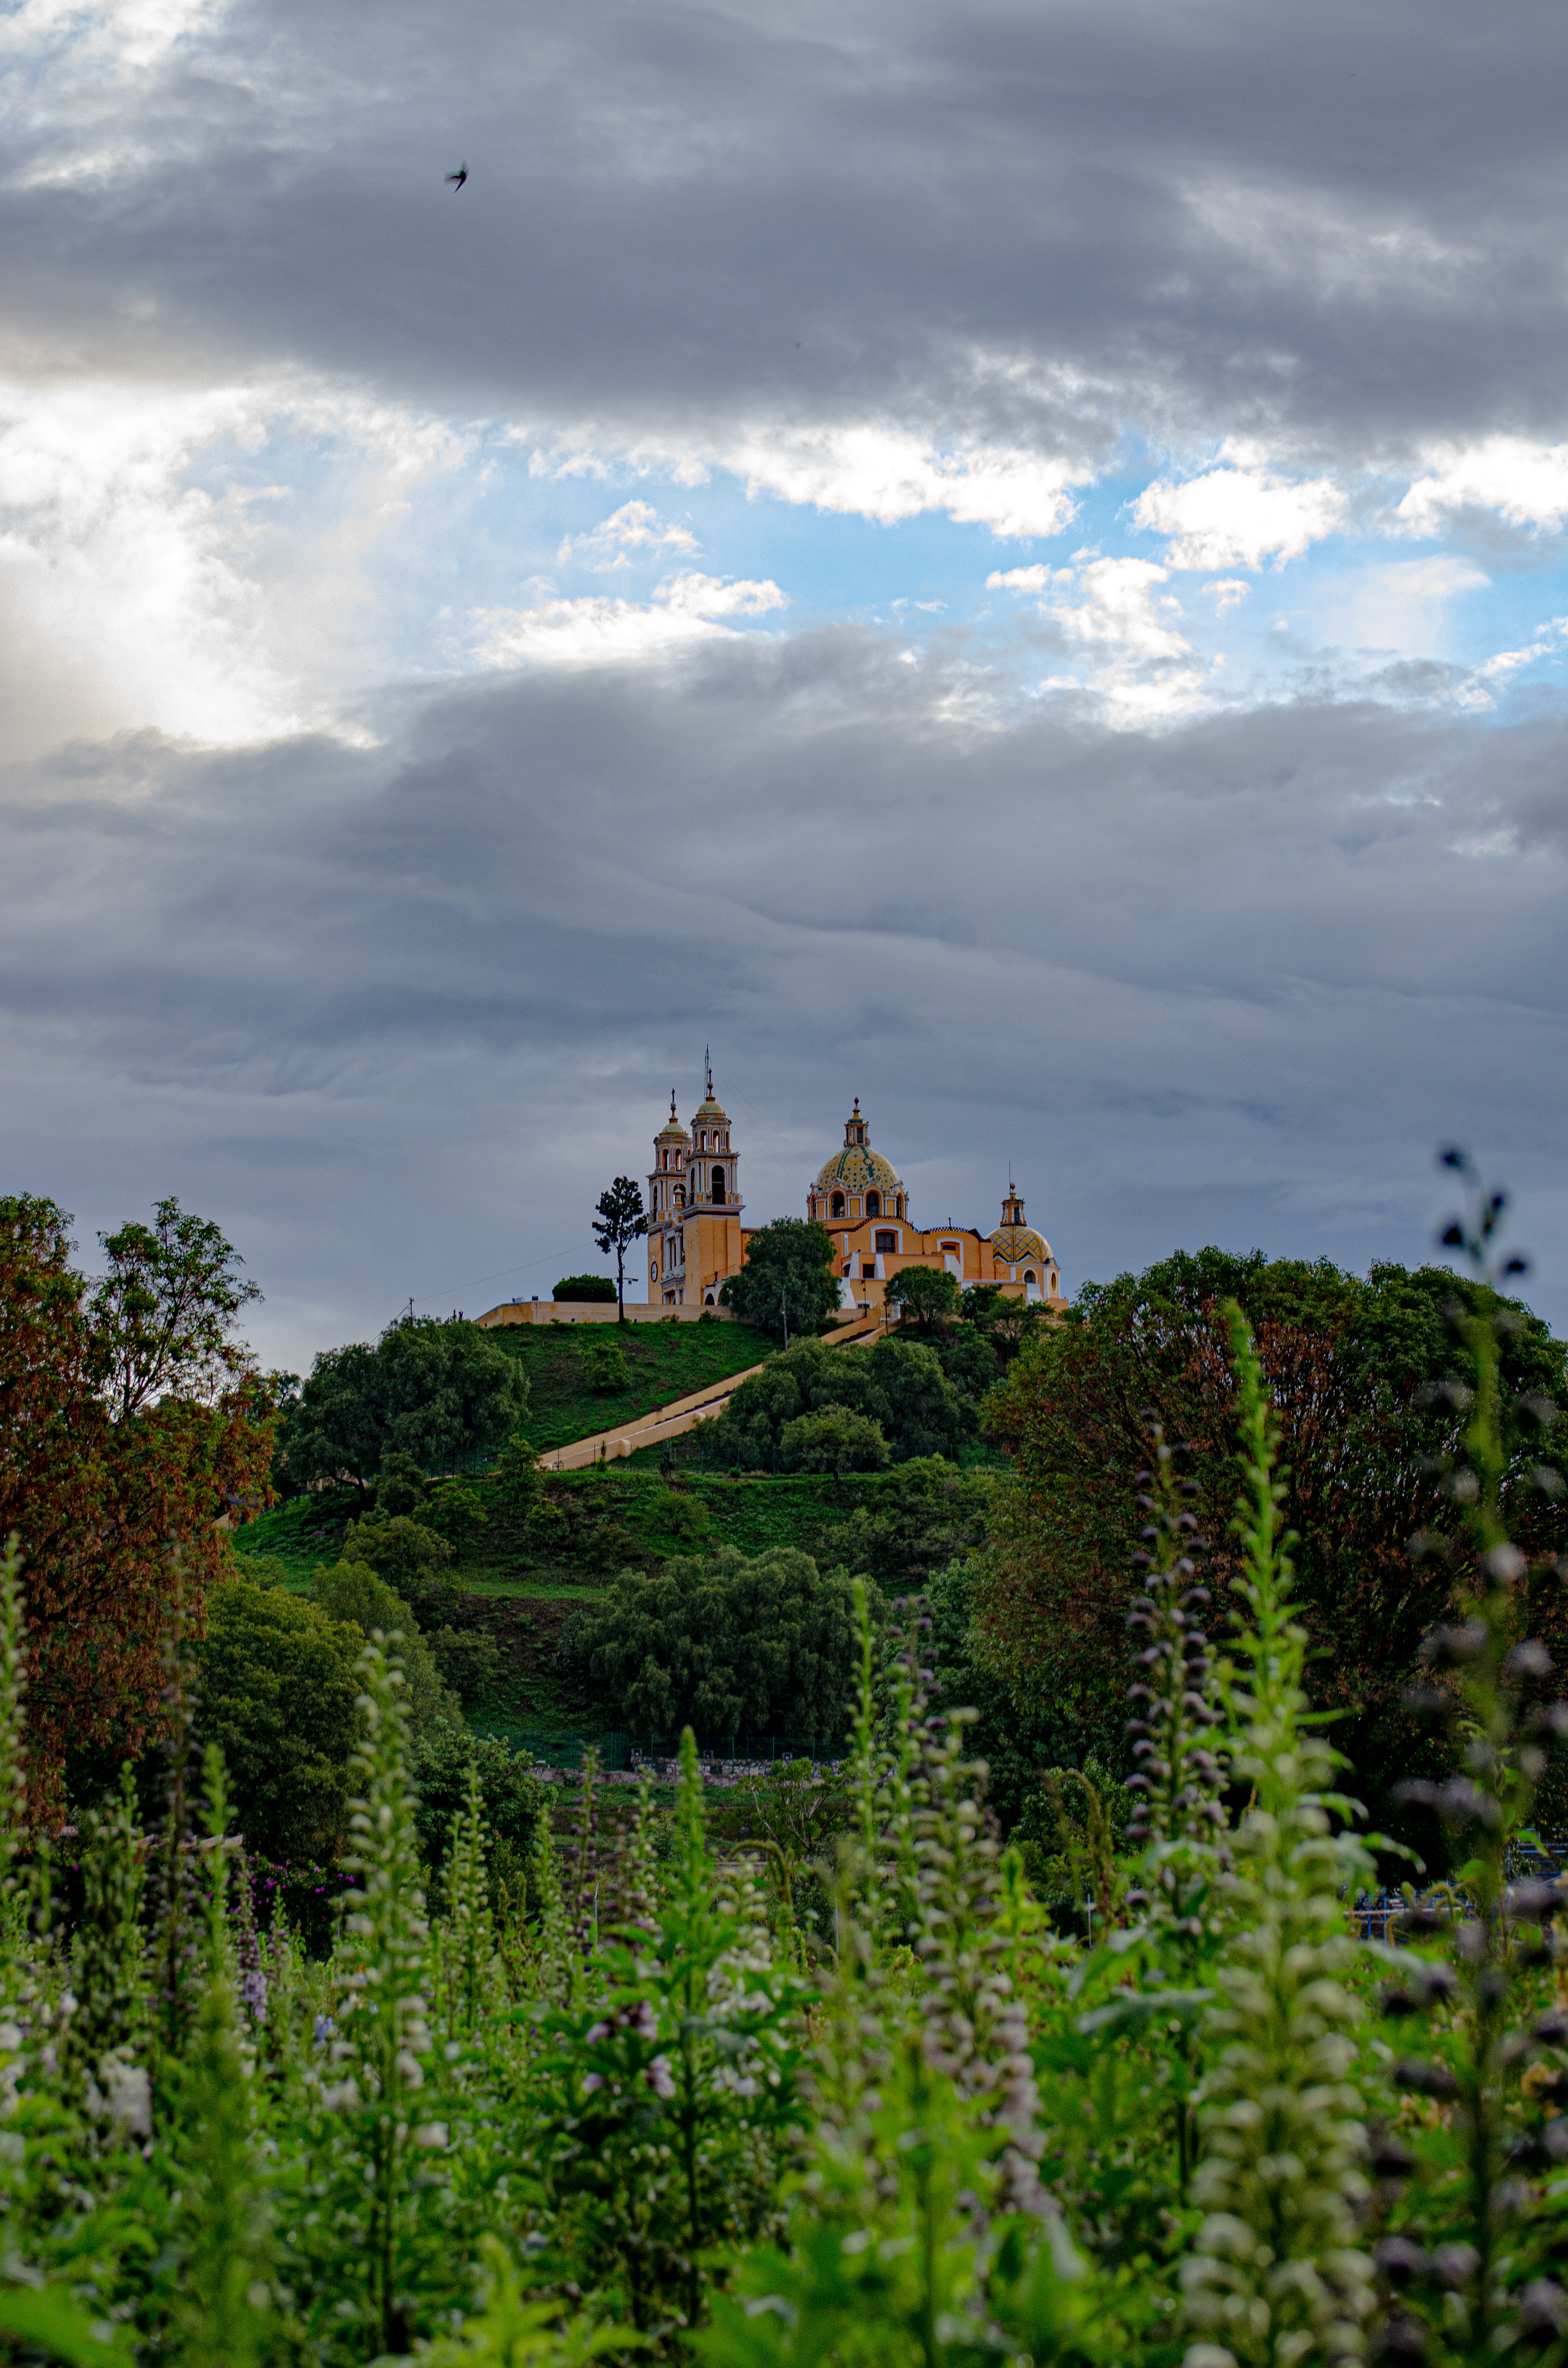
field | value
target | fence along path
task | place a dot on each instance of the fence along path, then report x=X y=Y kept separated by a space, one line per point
x=681 y=1414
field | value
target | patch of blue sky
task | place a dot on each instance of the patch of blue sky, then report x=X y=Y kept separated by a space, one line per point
x=435 y=533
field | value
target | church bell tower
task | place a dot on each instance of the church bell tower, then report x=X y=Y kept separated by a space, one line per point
x=694 y=1207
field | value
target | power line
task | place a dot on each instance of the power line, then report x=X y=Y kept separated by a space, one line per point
x=525 y=1266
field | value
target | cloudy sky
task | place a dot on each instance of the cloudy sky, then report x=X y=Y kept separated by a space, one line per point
x=1006 y=559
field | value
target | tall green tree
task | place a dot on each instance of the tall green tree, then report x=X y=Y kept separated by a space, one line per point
x=164 y=1310
x=428 y=1390
x=924 y=1296
x=276 y=1688
x=788 y=1285
x=621 y=1220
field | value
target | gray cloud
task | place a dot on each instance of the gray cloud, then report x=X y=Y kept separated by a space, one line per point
x=1337 y=224
x=395 y=1015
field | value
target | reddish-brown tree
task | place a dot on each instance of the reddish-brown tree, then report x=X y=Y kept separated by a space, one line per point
x=132 y=1423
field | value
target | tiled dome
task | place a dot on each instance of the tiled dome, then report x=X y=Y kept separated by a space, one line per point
x=857 y=1168
x=1013 y=1244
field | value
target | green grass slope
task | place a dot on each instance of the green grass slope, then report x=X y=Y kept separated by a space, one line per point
x=665 y=1360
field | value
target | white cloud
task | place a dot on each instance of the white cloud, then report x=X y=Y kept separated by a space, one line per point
x=1548 y=642
x=1527 y=482
x=1227 y=592
x=122 y=600
x=1330 y=240
x=75 y=75
x=132 y=595
x=887 y=473
x=633 y=527
x=1403 y=606
x=1238 y=516
x=1027 y=579
x=1144 y=671
x=1119 y=609
x=602 y=631
x=868 y=470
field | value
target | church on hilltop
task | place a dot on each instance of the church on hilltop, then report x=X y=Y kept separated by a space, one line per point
x=696 y=1238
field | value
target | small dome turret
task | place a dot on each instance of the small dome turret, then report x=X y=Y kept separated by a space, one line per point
x=856 y=1170
x=1014 y=1241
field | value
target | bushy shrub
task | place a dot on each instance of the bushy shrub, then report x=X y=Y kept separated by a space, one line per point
x=456 y=1512
x=468 y=1660
x=607 y=1369
x=833 y=1439
x=899 y=1385
x=583 y=1287
x=1356 y=1369
x=725 y=1645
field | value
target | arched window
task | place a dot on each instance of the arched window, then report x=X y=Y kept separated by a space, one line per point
x=838 y=1204
x=898 y=1206
x=887 y=1241
x=873 y=1205
x=1030 y=1286
x=717 y=1183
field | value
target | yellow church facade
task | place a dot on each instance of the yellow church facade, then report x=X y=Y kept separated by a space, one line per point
x=697 y=1236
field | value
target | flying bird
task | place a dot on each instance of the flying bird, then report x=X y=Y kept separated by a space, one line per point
x=458 y=178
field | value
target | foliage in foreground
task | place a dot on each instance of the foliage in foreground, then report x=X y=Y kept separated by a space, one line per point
x=675 y=2108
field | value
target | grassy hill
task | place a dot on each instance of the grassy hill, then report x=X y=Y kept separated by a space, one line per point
x=666 y=1360
x=617 y=1516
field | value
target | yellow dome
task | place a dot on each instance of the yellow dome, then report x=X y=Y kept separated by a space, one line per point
x=857 y=1168
x=1015 y=1243
x=672 y=1130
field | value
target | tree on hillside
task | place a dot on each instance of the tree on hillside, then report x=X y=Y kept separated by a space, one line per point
x=924 y=1296
x=621 y=1220
x=354 y=1592
x=788 y=1285
x=429 y=1391
x=726 y=1646
x=834 y=1439
x=899 y=1385
x=1357 y=1369
x=923 y=1515
x=132 y=1421
x=278 y=1686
